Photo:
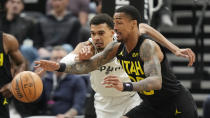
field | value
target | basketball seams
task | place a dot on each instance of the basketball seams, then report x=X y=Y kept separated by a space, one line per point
x=17 y=90
x=34 y=85
x=23 y=89
x=22 y=86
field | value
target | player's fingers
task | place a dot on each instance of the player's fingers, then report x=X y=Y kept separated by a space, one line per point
x=110 y=82
x=111 y=79
x=109 y=86
x=193 y=55
x=110 y=76
x=106 y=82
x=183 y=55
x=190 y=57
x=37 y=62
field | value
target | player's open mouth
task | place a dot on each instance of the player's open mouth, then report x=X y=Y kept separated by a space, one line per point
x=99 y=44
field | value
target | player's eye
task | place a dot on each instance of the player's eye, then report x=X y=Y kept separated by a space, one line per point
x=92 y=33
x=101 y=33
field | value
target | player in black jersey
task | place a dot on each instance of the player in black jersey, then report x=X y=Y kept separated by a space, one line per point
x=9 y=48
x=146 y=64
x=163 y=96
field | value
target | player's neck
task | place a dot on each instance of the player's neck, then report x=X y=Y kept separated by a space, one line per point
x=132 y=40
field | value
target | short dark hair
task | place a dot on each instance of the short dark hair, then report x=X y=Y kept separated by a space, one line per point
x=102 y=18
x=130 y=11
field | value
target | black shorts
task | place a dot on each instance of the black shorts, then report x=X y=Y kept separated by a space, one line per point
x=4 y=107
x=180 y=106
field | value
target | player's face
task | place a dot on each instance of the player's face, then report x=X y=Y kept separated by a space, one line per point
x=122 y=26
x=59 y=5
x=101 y=35
x=14 y=6
x=57 y=55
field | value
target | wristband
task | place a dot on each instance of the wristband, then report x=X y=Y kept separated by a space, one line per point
x=127 y=86
x=68 y=59
x=62 y=67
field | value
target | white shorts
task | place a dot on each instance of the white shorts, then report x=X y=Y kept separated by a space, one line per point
x=115 y=107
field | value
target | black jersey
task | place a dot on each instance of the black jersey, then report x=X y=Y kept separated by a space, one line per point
x=133 y=65
x=5 y=72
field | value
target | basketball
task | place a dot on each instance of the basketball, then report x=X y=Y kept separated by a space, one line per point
x=26 y=86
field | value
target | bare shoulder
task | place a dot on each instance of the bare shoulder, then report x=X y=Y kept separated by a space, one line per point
x=150 y=48
x=113 y=46
x=10 y=42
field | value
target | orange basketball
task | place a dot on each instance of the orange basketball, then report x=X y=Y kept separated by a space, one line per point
x=26 y=86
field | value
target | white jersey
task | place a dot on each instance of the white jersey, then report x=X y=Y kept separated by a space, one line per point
x=112 y=68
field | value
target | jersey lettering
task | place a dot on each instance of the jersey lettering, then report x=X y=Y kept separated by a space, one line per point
x=132 y=67
x=108 y=69
x=1 y=59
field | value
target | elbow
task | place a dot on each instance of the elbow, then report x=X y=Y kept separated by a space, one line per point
x=156 y=84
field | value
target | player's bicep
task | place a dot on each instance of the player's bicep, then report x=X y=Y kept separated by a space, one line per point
x=13 y=49
x=152 y=56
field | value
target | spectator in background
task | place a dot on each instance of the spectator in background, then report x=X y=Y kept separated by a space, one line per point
x=22 y=28
x=64 y=94
x=79 y=8
x=13 y=23
x=162 y=16
x=59 y=27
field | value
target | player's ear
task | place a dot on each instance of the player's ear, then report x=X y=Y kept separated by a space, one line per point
x=112 y=32
x=134 y=23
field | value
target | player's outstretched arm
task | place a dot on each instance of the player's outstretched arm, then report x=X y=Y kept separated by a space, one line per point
x=186 y=53
x=97 y=60
x=81 y=67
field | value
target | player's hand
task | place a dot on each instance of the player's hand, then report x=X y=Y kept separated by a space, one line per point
x=186 y=53
x=85 y=53
x=5 y=90
x=45 y=65
x=113 y=82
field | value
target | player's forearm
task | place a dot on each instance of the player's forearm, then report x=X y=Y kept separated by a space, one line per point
x=86 y=66
x=158 y=37
x=82 y=67
x=150 y=83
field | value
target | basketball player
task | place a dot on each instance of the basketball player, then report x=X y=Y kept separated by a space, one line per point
x=102 y=33
x=8 y=48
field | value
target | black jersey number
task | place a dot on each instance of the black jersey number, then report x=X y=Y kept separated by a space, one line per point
x=1 y=59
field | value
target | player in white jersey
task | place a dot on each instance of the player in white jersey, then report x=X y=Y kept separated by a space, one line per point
x=109 y=103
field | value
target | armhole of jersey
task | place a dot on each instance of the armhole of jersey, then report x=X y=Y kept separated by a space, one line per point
x=120 y=48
